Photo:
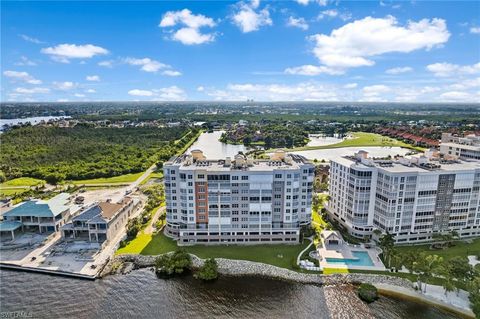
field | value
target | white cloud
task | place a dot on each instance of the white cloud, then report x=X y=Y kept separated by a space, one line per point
x=24 y=61
x=172 y=93
x=465 y=84
x=94 y=78
x=79 y=95
x=137 y=92
x=350 y=86
x=333 y=13
x=36 y=90
x=106 y=64
x=375 y=90
x=64 y=86
x=399 y=70
x=90 y=91
x=456 y=96
x=64 y=52
x=297 y=22
x=448 y=69
x=200 y=89
x=305 y=2
x=171 y=73
x=312 y=70
x=312 y=90
x=248 y=19
x=354 y=43
x=190 y=34
x=63 y=100
x=30 y=39
x=21 y=76
x=148 y=65
x=475 y=30
x=185 y=16
x=307 y=91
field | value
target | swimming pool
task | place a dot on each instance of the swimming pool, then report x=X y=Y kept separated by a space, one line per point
x=361 y=259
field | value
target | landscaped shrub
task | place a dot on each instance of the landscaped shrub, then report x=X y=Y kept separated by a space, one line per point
x=367 y=293
x=176 y=263
x=133 y=227
x=209 y=270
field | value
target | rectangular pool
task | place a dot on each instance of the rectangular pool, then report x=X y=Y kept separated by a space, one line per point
x=361 y=259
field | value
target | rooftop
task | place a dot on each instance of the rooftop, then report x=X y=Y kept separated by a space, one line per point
x=101 y=212
x=41 y=208
x=413 y=164
x=241 y=162
x=9 y=225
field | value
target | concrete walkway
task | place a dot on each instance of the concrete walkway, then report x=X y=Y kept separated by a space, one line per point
x=149 y=228
x=301 y=253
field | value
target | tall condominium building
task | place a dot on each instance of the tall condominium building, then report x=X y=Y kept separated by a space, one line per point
x=411 y=198
x=467 y=147
x=240 y=201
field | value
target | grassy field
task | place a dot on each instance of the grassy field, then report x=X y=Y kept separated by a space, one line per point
x=190 y=142
x=330 y=271
x=153 y=175
x=22 y=181
x=362 y=139
x=12 y=191
x=278 y=255
x=127 y=178
x=460 y=249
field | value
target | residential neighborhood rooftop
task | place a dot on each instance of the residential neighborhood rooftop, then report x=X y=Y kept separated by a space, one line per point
x=42 y=208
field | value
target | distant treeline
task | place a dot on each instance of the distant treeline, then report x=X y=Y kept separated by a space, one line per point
x=82 y=152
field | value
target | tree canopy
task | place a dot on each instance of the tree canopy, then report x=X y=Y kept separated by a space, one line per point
x=82 y=152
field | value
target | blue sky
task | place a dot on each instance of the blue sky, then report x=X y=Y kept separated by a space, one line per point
x=405 y=51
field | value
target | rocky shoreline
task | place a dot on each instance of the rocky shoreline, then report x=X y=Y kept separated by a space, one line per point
x=123 y=264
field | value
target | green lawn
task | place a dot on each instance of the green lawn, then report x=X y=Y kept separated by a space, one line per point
x=362 y=139
x=127 y=178
x=460 y=249
x=12 y=191
x=22 y=181
x=278 y=255
x=330 y=271
x=153 y=175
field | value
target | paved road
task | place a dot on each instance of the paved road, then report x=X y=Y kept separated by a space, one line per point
x=149 y=228
x=135 y=184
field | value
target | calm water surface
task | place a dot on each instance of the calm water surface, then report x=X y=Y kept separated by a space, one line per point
x=321 y=140
x=141 y=294
x=31 y=120
x=214 y=149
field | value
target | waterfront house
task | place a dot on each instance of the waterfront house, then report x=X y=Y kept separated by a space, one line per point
x=43 y=216
x=100 y=222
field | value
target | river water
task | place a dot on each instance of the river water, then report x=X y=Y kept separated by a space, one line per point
x=214 y=149
x=31 y=120
x=140 y=294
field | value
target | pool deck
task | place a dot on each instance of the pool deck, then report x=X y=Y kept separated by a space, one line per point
x=344 y=251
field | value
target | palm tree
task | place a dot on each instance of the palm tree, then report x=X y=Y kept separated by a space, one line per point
x=448 y=282
x=425 y=266
x=386 y=243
